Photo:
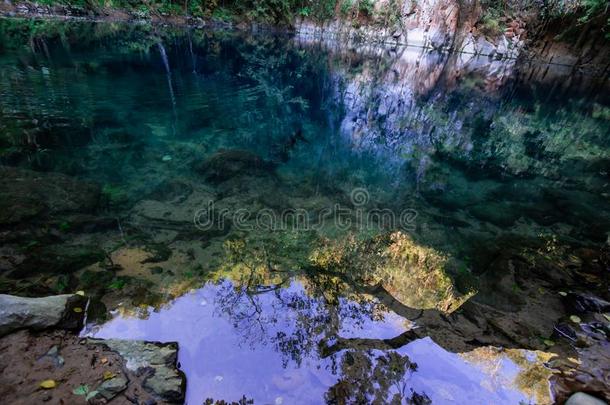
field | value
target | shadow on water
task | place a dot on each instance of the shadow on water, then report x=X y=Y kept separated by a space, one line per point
x=422 y=202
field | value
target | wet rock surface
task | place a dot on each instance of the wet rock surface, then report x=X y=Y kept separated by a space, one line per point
x=581 y=398
x=40 y=313
x=112 y=387
x=155 y=362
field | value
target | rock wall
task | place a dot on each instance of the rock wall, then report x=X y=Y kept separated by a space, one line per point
x=430 y=24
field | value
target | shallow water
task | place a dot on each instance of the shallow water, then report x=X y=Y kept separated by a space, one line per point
x=259 y=195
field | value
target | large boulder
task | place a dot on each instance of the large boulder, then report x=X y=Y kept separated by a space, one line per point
x=229 y=163
x=156 y=361
x=64 y=311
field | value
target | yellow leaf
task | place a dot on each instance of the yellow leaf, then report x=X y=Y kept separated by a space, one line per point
x=108 y=375
x=78 y=310
x=81 y=293
x=575 y=319
x=48 y=384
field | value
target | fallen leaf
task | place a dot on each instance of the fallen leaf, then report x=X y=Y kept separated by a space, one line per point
x=48 y=384
x=81 y=293
x=104 y=360
x=563 y=293
x=575 y=319
x=81 y=390
x=108 y=375
x=78 y=310
x=549 y=342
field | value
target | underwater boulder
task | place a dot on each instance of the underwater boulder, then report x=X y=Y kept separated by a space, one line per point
x=229 y=163
x=58 y=258
x=27 y=194
x=171 y=190
x=499 y=214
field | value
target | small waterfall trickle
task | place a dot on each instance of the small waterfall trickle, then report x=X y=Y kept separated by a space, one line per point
x=169 y=83
x=193 y=60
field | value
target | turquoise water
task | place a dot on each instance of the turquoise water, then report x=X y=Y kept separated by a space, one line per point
x=209 y=157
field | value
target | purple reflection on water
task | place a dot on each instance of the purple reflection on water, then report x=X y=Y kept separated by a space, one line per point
x=265 y=347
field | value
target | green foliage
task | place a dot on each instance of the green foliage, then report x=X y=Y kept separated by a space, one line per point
x=346 y=7
x=305 y=12
x=593 y=8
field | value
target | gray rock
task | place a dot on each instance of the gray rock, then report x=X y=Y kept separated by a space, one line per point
x=35 y=313
x=155 y=360
x=580 y=398
x=111 y=388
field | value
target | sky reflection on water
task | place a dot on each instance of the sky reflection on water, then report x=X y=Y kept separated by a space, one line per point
x=243 y=350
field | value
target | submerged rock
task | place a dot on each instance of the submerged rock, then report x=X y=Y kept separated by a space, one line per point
x=27 y=194
x=157 y=361
x=59 y=258
x=40 y=313
x=226 y=164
